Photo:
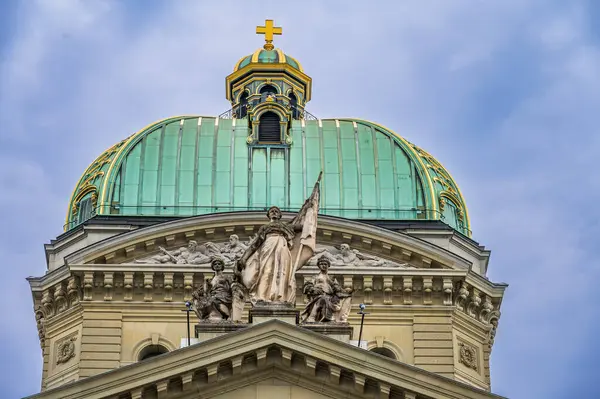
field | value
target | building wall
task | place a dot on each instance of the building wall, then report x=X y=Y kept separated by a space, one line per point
x=434 y=314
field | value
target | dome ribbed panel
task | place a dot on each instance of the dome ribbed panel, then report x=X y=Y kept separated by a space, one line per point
x=192 y=166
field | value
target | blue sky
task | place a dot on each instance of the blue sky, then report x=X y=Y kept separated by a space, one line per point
x=504 y=93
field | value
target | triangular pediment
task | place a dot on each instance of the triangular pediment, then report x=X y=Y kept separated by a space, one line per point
x=269 y=351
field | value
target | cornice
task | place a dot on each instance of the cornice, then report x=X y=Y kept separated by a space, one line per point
x=39 y=284
x=229 y=220
x=495 y=290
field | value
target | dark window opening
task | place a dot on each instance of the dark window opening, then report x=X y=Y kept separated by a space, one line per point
x=269 y=130
x=242 y=110
x=268 y=89
x=266 y=92
x=294 y=105
x=152 y=351
x=85 y=210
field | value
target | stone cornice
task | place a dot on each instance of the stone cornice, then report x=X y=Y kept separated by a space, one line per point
x=39 y=284
x=495 y=290
x=257 y=339
x=199 y=225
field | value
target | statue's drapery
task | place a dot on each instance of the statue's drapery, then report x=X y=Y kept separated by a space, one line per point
x=268 y=273
x=269 y=264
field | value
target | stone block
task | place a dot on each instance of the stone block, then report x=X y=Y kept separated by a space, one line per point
x=341 y=332
x=207 y=330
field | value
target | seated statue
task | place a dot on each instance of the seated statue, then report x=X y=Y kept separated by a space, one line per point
x=212 y=302
x=328 y=301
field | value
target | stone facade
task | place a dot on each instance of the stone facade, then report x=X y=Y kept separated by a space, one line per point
x=439 y=313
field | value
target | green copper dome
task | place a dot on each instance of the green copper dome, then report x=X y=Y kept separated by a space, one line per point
x=262 y=56
x=192 y=165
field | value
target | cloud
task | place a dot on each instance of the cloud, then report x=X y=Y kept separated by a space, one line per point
x=504 y=94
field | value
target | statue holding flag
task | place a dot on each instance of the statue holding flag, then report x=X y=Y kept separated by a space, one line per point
x=268 y=266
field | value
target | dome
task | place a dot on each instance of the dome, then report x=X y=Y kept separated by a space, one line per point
x=193 y=165
x=262 y=56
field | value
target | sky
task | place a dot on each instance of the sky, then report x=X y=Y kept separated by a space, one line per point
x=505 y=94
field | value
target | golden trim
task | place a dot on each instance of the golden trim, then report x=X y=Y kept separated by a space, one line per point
x=260 y=86
x=255 y=57
x=451 y=178
x=242 y=92
x=237 y=64
x=107 y=176
x=296 y=61
x=251 y=79
x=78 y=185
x=281 y=56
x=268 y=68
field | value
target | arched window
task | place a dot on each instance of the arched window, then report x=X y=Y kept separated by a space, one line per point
x=269 y=130
x=384 y=352
x=294 y=105
x=266 y=92
x=449 y=213
x=242 y=110
x=152 y=351
x=85 y=210
x=268 y=89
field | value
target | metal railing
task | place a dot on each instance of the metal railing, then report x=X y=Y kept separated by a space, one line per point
x=240 y=110
x=347 y=213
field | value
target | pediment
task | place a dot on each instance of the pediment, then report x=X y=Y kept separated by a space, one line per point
x=368 y=246
x=269 y=353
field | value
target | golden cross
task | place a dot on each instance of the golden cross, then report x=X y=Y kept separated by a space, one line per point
x=268 y=30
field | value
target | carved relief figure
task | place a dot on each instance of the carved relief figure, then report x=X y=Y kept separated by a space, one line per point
x=212 y=302
x=192 y=254
x=268 y=266
x=328 y=301
x=343 y=255
x=234 y=249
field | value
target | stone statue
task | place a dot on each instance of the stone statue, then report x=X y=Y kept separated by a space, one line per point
x=234 y=249
x=193 y=254
x=212 y=302
x=343 y=255
x=269 y=264
x=328 y=301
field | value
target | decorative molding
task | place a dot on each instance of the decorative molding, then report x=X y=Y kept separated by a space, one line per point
x=65 y=349
x=468 y=356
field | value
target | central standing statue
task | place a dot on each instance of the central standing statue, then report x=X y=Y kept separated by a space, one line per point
x=268 y=266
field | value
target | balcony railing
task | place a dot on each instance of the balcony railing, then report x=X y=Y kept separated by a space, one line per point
x=348 y=213
x=240 y=110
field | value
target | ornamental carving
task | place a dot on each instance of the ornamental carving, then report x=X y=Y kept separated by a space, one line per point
x=195 y=254
x=65 y=350
x=232 y=251
x=468 y=356
x=343 y=255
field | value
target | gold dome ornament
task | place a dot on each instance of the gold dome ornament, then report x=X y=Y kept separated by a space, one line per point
x=269 y=30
